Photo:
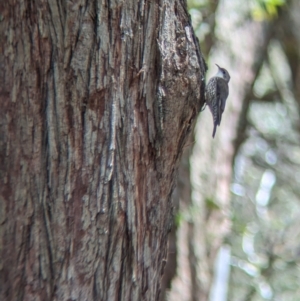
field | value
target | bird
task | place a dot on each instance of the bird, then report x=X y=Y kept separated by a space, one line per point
x=216 y=93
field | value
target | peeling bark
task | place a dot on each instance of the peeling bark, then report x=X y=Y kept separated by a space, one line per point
x=97 y=100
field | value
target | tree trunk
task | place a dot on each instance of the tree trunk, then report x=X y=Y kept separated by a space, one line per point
x=97 y=99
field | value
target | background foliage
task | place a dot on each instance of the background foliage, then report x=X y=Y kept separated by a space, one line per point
x=265 y=190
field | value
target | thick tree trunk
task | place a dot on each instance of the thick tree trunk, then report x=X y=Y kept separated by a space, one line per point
x=97 y=100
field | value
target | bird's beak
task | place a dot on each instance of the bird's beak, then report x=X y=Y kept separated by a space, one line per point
x=218 y=66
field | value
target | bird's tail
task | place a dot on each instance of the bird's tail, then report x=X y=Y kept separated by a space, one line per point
x=214 y=131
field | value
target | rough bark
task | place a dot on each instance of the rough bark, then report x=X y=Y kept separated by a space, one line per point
x=97 y=99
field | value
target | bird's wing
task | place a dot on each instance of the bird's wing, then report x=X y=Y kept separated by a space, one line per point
x=222 y=94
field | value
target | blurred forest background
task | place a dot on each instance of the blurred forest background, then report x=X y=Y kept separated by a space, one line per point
x=237 y=229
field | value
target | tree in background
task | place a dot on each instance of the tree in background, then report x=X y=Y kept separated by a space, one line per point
x=253 y=162
x=265 y=261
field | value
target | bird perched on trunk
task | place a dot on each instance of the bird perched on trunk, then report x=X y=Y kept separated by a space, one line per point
x=216 y=93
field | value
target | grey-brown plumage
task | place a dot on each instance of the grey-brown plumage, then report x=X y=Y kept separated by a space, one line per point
x=216 y=93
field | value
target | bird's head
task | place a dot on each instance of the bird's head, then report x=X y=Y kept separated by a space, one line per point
x=223 y=73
